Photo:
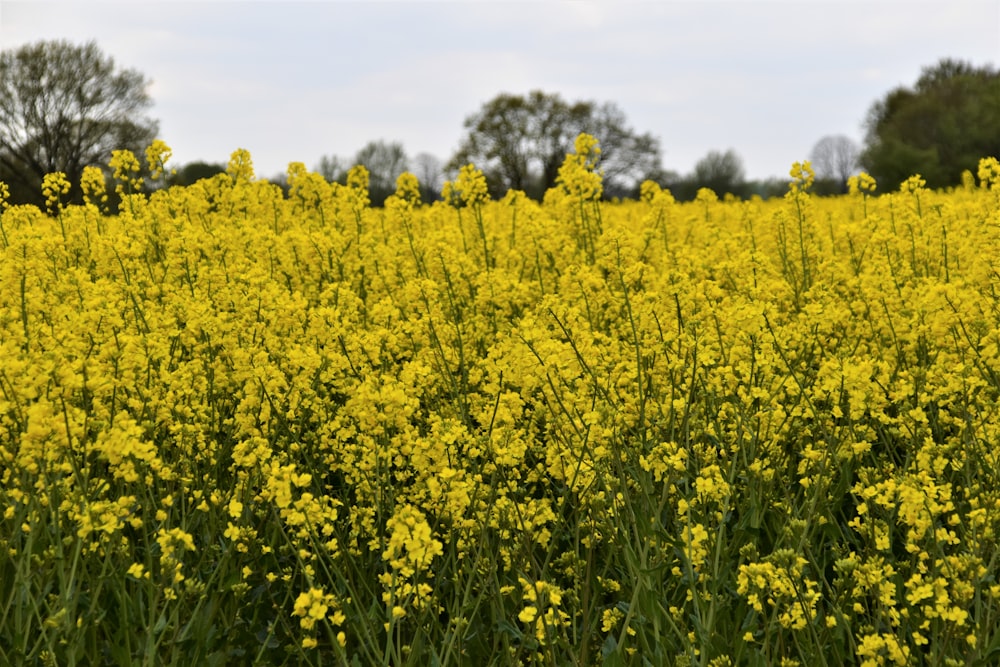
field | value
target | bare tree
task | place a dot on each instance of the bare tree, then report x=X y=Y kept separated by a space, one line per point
x=835 y=158
x=429 y=171
x=333 y=168
x=64 y=107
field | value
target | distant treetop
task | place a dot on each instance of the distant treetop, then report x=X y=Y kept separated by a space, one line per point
x=938 y=128
x=64 y=107
x=520 y=142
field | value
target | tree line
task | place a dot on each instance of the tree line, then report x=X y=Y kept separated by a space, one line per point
x=64 y=107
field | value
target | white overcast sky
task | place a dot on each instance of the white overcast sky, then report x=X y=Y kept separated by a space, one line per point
x=293 y=81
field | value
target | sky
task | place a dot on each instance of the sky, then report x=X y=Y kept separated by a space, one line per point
x=295 y=81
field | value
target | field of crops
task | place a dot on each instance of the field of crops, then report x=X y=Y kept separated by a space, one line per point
x=239 y=427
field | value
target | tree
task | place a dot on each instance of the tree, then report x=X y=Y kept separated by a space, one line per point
x=939 y=128
x=519 y=142
x=385 y=162
x=429 y=171
x=333 y=169
x=722 y=172
x=192 y=172
x=835 y=159
x=64 y=107
x=627 y=158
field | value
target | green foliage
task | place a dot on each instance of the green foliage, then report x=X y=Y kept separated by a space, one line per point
x=195 y=171
x=938 y=129
x=63 y=107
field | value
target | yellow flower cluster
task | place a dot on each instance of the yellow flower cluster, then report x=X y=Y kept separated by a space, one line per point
x=541 y=612
x=716 y=432
x=411 y=547
x=778 y=585
x=54 y=188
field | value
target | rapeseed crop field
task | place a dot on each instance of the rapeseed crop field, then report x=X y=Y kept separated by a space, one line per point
x=244 y=427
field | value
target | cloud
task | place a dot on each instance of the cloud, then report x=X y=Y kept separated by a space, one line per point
x=297 y=80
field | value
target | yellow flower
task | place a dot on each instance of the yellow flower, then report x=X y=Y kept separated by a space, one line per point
x=861 y=183
x=126 y=169
x=411 y=547
x=610 y=618
x=357 y=184
x=694 y=538
x=528 y=614
x=408 y=188
x=55 y=187
x=312 y=606
x=578 y=175
x=469 y=189
x=157 y=154
x=989 y=173
x=913 y=184
x=802 y=175
x=240 y=167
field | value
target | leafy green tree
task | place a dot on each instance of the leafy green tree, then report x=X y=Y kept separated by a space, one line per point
x=939 y=128
x=519 y=142
x=193 y=172
x=64 y=107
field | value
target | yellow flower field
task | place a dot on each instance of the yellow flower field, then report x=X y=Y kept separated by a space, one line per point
x=239 y=427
